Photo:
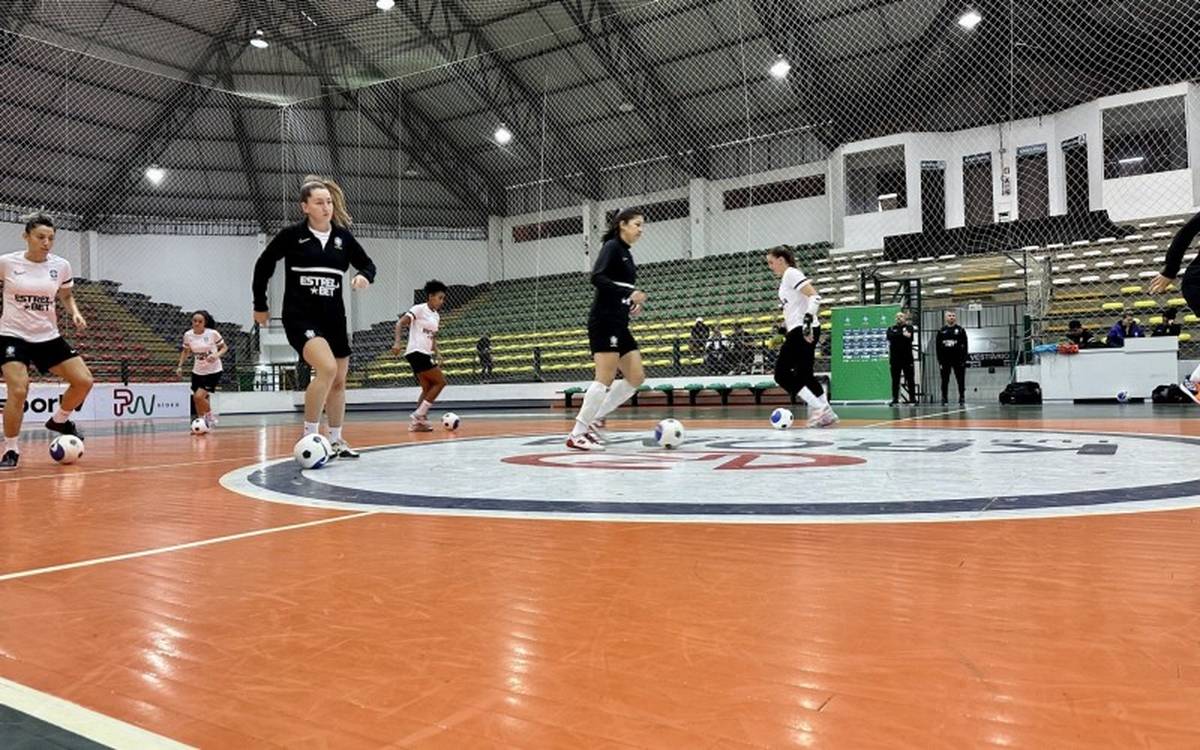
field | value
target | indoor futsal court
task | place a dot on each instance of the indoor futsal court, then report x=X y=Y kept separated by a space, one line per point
x=554 y=374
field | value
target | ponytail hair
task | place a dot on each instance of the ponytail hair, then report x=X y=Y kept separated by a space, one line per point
x=614 y=224
x=783 y=251
x=341 y=214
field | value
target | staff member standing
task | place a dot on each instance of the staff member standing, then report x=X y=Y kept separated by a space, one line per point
x=951 y=346
x=900 y=356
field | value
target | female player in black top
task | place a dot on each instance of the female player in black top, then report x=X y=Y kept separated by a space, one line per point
x=1190 y=286
x=613 y=346
x=317 y=252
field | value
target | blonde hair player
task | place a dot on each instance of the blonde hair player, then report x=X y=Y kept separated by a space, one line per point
x=423 y=321
x=612 y=344
x=801 y=307
x=29 y=334
x=317 y=252
x=203 y=342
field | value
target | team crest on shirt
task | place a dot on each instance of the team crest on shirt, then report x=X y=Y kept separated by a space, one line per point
x=310 y=333
x=337 y=242
x=612 y=340
x=54 y=273
x=11 y=351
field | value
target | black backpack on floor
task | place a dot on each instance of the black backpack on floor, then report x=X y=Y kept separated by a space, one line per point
x=1026 y=392
x=1169 y=394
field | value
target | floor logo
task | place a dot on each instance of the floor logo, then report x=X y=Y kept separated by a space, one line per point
x=731 y=475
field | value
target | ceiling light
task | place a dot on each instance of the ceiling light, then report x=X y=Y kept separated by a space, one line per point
x=410 y=172
x=385 y=4
x=155 y=174
x=625 y=107
x=503 y=135
x=1132 y=160
x=970 y=19
x=780 y=68
x=258 y=41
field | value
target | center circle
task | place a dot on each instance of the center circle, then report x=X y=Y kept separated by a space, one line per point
x=740 y=475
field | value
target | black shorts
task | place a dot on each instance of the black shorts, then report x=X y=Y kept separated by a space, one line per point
x=1189 y=287
x=420 y=361
x=334 y=333
x=207 y=382
x=606 y=336
x=41 y=354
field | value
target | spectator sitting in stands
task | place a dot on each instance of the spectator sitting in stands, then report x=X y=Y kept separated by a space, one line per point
x=742 y=348
x=483 y=348
x=716 y=351
x=1077 y=334
x=698 y=336
x=1168 y=326
x=1125 y=328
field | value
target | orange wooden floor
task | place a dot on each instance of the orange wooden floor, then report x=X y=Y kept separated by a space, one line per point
x=434 y=631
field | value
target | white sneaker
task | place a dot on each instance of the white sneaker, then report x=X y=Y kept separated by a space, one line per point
x=823 y=417
x=596 y=433
x=583 y=443
x=210 y=419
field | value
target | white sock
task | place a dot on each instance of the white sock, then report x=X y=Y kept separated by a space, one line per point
x=811 y=399
x=12 y=444
x=1195 y=376
x=593 y=399
x=311 y=427
x=617 y=395
x=423 y=409
x=61 y=415
x=335 y=434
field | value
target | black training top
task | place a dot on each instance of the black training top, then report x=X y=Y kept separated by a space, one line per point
x=613 y=276
x=313 y=287
x=1179 y=246
x=952 y=345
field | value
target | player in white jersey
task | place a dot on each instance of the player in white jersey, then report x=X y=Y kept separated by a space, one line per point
x=794 y=366
x=203 y=342
x=29 y=334
x=423 y=321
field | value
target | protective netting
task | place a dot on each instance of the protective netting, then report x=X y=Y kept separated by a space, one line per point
x=1026 y=172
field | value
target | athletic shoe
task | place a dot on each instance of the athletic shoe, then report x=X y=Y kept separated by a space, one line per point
x=596 y=433
x=583 y=443
x=210 y=419
x=419 y=426
x=342 y=449
x=823 y=418
x=1189 y=388
x=9 y=461
x=64 y=428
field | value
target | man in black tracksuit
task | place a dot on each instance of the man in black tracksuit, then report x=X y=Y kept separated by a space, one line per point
x=900 y=356
x=951 y=347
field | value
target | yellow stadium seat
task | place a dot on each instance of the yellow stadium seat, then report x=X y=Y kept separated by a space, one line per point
x=1113 y=306
x=1177 y=302
x=1185 y=336
x=1131 y=290
x=1145 y=303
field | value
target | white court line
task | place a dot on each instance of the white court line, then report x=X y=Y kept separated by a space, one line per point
x=177 y=547
x=82 y=721
x=961 y=409
x=123 y=469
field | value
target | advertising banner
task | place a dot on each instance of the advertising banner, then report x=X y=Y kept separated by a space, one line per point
x=110 y=401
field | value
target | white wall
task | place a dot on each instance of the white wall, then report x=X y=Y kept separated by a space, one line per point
x=791 y=222
x=212 y=273
x=866 y=231
x=538 y=258
x=1147 y=195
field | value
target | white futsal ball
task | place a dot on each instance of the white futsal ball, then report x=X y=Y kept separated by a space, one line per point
x=669 y=433
x=66 y=449
x=199 y=426
x=781 y=418
x=1122 y=396
x=313 y=451
x=450 y=421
